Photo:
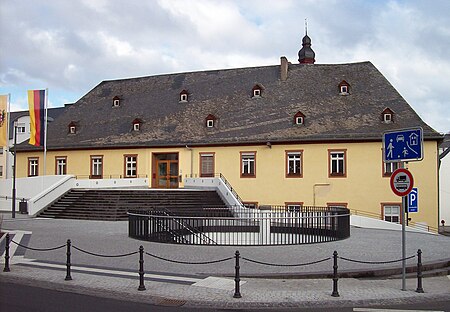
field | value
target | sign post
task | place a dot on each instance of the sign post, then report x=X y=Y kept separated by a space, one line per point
x=402 y=146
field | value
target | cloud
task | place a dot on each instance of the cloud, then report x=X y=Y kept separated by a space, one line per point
x=70 y=46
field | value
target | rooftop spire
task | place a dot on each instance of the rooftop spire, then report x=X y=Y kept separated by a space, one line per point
x=306 y=55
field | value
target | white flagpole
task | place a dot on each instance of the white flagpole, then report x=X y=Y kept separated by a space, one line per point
x=8 y=119
x=45 y=131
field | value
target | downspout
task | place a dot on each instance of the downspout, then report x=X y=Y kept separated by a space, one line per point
x=192 y=160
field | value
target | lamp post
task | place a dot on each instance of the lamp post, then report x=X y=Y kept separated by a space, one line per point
x=14 y=173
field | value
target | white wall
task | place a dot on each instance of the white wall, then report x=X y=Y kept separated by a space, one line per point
x=444 y=190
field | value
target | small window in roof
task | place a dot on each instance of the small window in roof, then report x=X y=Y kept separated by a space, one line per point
x=344 y=88
x=387 y=116
x=256 y=91
x=210 y=121
x=116 y=101
x=72 y=128
x=137 y=124
x=299 y=118
x=184 y=96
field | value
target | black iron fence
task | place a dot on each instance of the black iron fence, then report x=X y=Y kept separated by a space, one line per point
x=269 y=225
x=237 y=265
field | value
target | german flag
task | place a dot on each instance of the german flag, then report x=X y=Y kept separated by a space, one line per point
x=36 y=103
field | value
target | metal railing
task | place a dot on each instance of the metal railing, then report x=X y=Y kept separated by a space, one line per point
x=242 y=226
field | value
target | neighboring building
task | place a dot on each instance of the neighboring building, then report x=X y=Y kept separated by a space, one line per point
x=288 y=134
x=444 y=181
x=22 y=119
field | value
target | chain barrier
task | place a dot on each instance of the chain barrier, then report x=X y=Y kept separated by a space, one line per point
x=187 y=262
x=286 y=265
x=38 y=249
x=105 y=256
x=237 y=257
x=376 y=262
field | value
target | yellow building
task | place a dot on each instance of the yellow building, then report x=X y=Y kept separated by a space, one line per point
x=288 y=134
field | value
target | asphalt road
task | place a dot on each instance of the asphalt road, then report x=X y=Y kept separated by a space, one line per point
x=20 y=298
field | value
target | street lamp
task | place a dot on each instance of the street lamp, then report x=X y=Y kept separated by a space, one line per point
x=14 y=172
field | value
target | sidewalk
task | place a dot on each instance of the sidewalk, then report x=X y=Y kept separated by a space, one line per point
x=210 y=285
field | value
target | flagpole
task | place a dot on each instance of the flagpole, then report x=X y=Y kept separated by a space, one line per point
x=45 y=131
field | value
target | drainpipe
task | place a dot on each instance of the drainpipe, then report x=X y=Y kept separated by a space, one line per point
x=192 y=160
x=314 y=191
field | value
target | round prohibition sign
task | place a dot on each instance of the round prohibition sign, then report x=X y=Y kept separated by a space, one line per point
x=402 y=182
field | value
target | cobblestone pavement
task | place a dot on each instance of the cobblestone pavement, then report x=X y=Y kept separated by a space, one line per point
x=111 y=238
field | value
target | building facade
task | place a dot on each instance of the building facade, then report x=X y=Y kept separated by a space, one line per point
x=288 y=134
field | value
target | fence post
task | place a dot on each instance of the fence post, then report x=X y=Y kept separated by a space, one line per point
x=6 y=268
x=141 y=268
x=419 y=272
x=68 y=264
x=237 y=279
x=335 y=292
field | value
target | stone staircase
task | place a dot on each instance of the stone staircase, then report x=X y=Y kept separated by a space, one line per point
x=113 y=205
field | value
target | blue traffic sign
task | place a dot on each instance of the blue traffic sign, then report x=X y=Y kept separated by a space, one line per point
x=413 y=200
x=403 y=145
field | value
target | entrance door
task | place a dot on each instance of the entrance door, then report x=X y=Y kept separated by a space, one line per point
x=166 y=171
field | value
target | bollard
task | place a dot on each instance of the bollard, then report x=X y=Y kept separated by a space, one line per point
x=419 y=272
x=335 y=292
x=237 y=279
x=141 y=268
x=68 y=264
x=6 y=268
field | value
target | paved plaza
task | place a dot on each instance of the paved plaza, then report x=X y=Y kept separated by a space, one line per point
x=212 y=285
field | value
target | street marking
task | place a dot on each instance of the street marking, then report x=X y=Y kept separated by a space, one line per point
x=112 y=272
x=217 y=283
x=389 y=310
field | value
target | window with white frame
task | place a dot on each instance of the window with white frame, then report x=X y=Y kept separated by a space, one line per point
x=72 y=129
x=21 y=128
x=33 y=167
x=210 y=123
x=387 y=117
x=97 y=167
x=344 y=89
x=248 y=164
x=294 y=207
x=130 y=166
x=136 y=126
x=294 y=164
x=61 y=165
x=337 y=163
x=299 y=120
x=256 y=92
x=183 y=97
x=391 y=213
x=389 y=168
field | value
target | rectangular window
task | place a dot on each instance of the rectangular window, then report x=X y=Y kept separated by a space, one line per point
x=337 y=163
x=33 y=167
x=130 y=166
x=389 y=168
x=96 y=167
x=61 y=165
x=294 y=207
x=248 y=164
x=294 y=164
x=391 y=212
x=1 y=171
x=251 y=205
x=207 y=165
x=21 y=128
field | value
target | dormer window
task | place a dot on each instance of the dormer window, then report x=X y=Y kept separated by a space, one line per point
x=210 y=121
x=256 y=91
x=116 y=101
x=299 y=118
x=72 y=128
x=137 y=124
x=344 y=88
x=387 y=116
x=184 y=96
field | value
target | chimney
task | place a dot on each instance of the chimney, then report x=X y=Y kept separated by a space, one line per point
x=284 y=68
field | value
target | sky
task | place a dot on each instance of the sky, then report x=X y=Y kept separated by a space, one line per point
x=71 y=46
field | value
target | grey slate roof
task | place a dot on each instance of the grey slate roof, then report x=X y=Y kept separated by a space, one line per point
x=241 y=119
